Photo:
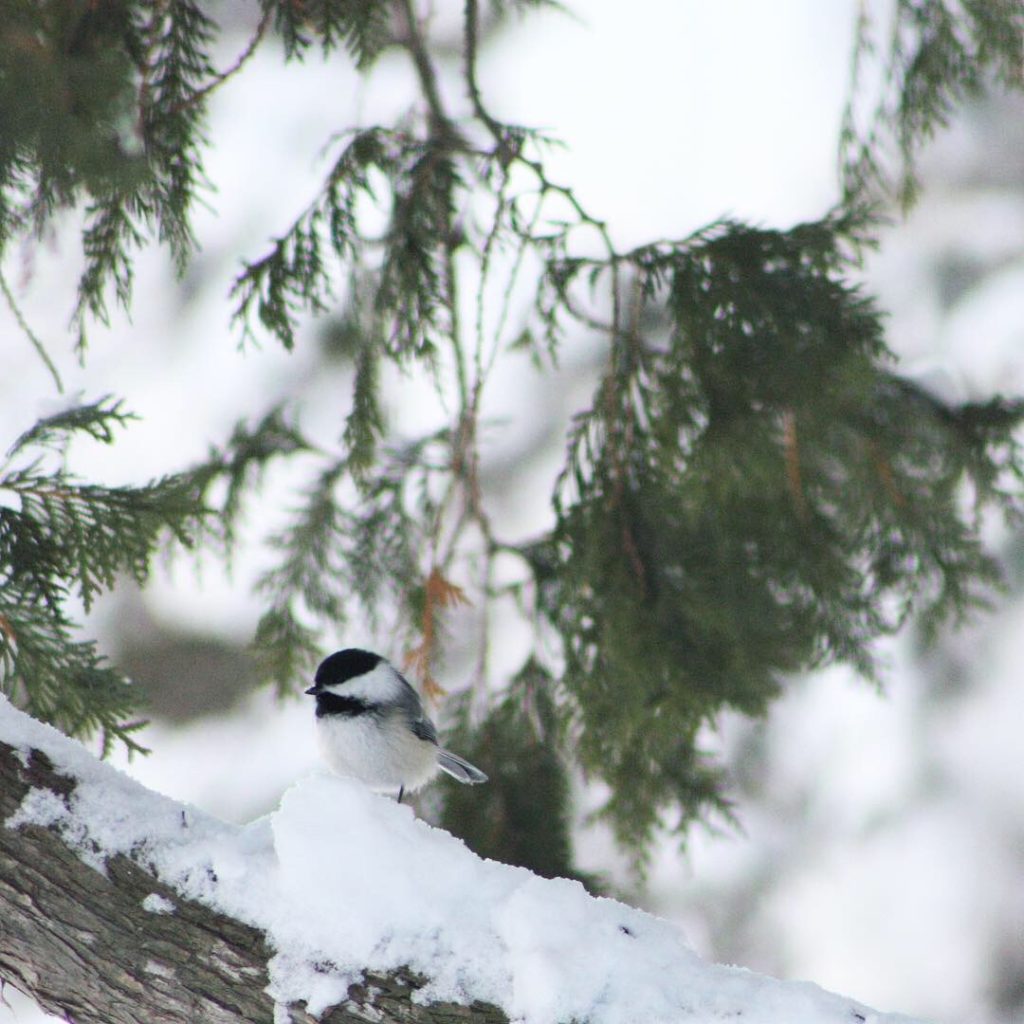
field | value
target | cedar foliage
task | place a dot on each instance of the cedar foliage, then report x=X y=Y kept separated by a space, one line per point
x=752 y=492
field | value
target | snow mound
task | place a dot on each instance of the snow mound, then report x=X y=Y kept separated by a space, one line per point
x=343 y=881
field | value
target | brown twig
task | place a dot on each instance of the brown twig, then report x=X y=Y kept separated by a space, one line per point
x=8 y=630
x=885 y=473
x=439 y=593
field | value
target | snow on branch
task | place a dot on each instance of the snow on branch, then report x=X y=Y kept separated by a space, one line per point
x=118 y=904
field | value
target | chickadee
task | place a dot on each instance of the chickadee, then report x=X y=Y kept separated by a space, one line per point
x=371 y=726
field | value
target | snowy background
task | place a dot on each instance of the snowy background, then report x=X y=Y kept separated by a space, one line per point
x=883 y=851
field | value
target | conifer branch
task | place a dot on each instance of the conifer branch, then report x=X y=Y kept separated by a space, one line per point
x=445 y=137
x=938 y=52
x=746 y=376
x=201 y=94
x=98 y=419
x=442 y=129
x=30 y=334
x=471 y=21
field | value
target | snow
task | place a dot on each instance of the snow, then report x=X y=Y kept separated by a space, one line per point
x=342 y=877
x=157 y=904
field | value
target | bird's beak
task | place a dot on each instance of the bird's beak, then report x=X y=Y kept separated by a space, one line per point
x=313 y=691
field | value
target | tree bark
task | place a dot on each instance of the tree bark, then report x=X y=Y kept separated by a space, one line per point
x=84 y=947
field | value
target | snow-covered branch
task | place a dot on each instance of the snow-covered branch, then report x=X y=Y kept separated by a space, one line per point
x=118 y=905
x=112 y=943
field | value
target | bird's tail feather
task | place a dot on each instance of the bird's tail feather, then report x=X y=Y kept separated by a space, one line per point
x=459 y=768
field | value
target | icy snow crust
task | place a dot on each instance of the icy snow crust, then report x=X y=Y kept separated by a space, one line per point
x=339 y=875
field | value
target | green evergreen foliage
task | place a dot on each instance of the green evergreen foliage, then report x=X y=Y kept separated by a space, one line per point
x=754 y=490
x=751 y=495
x=336 y=554
x=61 y=538
x=361 y=26
x=524 y=814
x=101 y=106
x=236 y=470
x=937 y=54
x=296 y=276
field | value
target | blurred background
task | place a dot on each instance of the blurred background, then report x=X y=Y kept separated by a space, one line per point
x=882 y=845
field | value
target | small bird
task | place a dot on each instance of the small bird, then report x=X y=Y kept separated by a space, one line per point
x=371 y=726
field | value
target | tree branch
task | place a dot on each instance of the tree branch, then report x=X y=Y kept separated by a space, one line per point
x=442 y=129
x=240 y=61
x=82 y=944
x=30 y=334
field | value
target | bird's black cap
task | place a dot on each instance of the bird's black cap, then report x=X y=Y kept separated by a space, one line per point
x=342 y=666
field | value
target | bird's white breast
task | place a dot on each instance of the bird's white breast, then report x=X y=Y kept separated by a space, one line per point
x=381 y=752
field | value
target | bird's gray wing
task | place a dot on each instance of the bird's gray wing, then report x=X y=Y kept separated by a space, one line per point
x=424 y=728
x=412 y=707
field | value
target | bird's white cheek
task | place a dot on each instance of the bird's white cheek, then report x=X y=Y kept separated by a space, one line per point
x=381 y=684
